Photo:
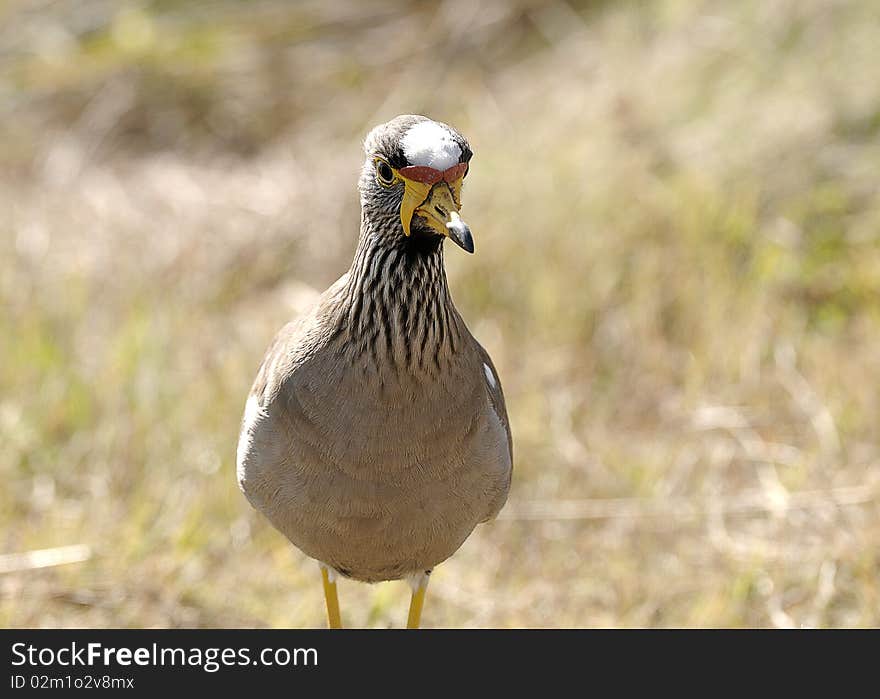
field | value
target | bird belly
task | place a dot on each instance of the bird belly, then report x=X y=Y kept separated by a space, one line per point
x=387 y=501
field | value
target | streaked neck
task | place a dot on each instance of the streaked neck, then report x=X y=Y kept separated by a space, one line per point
x=398 y=310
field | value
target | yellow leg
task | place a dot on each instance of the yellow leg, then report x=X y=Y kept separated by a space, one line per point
x=334 y=620
x=416 y=603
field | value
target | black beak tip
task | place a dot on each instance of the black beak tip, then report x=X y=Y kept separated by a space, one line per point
x=462 y=237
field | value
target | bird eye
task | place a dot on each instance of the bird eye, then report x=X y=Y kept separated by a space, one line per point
x=384 y=173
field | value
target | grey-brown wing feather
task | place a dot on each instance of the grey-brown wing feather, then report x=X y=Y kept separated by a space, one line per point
x=280 y=359
x=290 y=346
x=262 y=440
x=496 y=398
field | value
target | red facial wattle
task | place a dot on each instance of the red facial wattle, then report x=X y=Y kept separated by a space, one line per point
x=430 y=175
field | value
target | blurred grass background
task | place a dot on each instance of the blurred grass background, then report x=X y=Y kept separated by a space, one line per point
x=677 y=220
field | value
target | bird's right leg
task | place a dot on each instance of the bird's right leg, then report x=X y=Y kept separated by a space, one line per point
x=328 y=575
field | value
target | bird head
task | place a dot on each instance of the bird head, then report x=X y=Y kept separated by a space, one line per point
x=411 y=180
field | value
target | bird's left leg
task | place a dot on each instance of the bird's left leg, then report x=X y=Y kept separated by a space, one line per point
x=419 y=584
x=328 y=575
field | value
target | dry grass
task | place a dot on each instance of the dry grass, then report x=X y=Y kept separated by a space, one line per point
x=677 y=220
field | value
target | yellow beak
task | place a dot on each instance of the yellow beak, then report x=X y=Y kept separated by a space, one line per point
x=438 y=205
